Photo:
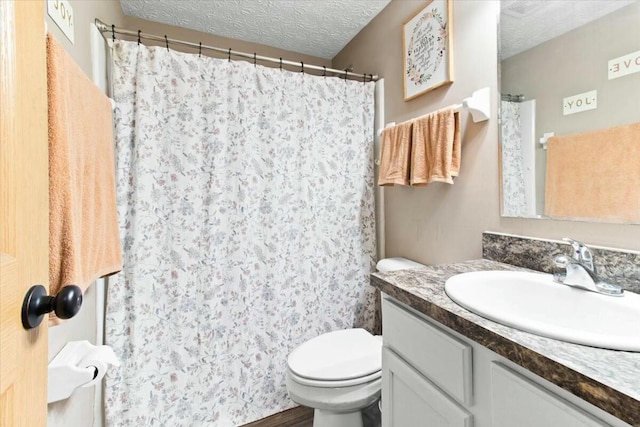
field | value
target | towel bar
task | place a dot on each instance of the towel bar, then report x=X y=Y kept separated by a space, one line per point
x=478 y=105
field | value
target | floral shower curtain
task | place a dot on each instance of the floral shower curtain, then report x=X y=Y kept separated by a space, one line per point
x=246 y=212
x=513 y=191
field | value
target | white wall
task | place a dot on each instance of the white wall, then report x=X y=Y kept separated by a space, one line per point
x=79 y=409
x=81 y=406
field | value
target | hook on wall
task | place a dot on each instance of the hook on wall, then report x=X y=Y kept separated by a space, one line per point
x=478 y=105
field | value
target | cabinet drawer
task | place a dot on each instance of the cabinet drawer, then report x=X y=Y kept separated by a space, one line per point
x=517 y=401
x=410 y=400
x=442 y=358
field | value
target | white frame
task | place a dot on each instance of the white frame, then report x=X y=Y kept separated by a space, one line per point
x=421 y=37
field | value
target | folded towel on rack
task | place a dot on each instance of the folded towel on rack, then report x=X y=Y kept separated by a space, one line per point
x=395 y=157
x=84 y=240
x=582 y=183
x=435 y=148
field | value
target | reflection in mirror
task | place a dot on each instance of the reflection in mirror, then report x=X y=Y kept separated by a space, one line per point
x=570 y=109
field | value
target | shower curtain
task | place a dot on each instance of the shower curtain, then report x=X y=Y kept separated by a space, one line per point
x=513 y=190
x=246 y=205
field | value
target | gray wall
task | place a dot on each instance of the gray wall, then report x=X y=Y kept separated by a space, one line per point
x=444 y=223
x=574 y=63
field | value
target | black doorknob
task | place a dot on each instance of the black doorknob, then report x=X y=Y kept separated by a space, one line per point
x=37 y=303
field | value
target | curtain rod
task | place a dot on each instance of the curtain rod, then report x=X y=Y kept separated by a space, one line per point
x=104 y=28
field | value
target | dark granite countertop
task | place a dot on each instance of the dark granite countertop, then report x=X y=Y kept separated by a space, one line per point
x=608 y=379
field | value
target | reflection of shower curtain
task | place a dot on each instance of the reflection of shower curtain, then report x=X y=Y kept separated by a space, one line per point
x=247 y=216
x=513 y=187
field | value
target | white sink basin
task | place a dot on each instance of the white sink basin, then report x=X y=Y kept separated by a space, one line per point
x=533 y=302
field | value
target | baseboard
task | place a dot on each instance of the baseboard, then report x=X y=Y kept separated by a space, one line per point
x=300 y=416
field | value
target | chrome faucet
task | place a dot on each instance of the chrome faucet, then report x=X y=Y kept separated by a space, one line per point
x=581 y=271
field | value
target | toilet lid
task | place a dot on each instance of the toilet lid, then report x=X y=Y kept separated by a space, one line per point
x=338 y=355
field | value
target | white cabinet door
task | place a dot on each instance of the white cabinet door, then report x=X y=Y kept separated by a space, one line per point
x=445 y=360
x=516 y=401
x=410 y=400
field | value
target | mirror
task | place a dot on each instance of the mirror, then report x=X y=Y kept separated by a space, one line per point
x=570 y=109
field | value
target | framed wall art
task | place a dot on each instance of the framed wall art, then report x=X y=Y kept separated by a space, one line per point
x=427 y=49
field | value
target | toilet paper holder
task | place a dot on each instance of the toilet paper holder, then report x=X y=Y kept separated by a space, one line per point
x=79 y=364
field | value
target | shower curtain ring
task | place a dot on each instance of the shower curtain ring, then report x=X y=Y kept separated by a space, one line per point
x=113 y=31
x=166 y=40
x=229 y=57
x=200 y=50
x=280 y=63
x=254 y=59
x=370 y=77
x=302 y=65
x=139 y=37
x=346 y=73
x=324 y=71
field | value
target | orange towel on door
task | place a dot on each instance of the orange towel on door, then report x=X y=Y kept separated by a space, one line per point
x=435 y=151
x=84 y=240
x=583 y=183
x=395 y=157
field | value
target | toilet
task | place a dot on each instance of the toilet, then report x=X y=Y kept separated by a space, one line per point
x=340 y=373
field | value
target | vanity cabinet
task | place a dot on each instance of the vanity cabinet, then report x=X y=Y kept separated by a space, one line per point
x=433 y=376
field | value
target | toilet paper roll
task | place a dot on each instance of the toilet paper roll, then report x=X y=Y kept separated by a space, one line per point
x=78 y=364
x=99 y=358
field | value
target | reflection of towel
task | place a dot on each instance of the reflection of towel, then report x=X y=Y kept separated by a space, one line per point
x=595 y=175
x=84 y=242
x=435 y=152
x=396 y=155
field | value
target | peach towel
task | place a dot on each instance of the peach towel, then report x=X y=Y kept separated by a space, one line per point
x=582 y=183
x=84 y=240
x=395 y=157
x=435 y=152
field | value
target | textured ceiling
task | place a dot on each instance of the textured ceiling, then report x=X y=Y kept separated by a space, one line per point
x=315 y=27
x=542 y=20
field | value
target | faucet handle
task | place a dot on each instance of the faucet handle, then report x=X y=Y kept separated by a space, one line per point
x=581 y=253
x=575 y=254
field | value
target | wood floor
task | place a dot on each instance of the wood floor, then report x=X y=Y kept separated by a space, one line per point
x=303 y=417
x=295 y=417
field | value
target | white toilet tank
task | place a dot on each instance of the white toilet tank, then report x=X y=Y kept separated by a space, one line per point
x=393 y=264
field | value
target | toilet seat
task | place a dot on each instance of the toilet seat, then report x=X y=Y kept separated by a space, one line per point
x=335 y=383
x=337 y=359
